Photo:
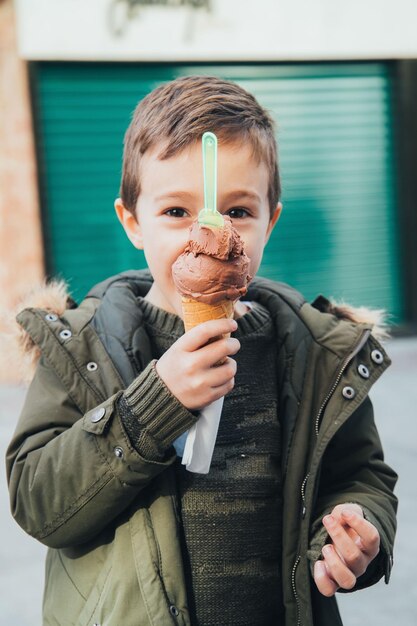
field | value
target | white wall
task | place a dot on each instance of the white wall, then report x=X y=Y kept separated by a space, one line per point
x=232 y=30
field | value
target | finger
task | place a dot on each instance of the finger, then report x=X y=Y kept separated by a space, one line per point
x=324 y=583
x=214 y=377
x=217 y=350
x=369 y=535
x=202 y=333
x=337 y=569
x=337 y=514
x=345 y=546
x=222 y=390
x=347 y=506
x=354 y=536
x=221 y=374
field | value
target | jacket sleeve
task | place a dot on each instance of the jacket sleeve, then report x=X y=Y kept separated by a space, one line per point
x=353 y=470
x=70 y=474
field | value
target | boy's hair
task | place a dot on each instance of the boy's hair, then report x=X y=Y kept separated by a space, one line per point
x=177 y=114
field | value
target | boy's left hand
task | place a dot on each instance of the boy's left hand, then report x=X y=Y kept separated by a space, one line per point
x=355 y=545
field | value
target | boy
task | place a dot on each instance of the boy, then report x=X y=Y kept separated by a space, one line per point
x=298 y=501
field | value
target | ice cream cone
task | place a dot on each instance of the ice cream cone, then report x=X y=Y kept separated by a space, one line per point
x=195 y=312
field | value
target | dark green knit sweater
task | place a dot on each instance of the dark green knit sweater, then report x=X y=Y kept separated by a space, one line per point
x=232 y=516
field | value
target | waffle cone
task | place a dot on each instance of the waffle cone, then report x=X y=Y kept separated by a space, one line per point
x=197 y=312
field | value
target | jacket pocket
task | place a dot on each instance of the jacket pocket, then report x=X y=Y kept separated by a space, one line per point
x=159 y=608
x=66 y=603
x=95 y=598
x=62 y=599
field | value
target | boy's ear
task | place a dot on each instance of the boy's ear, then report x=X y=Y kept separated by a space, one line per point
x=129 y=223
x=274 y=219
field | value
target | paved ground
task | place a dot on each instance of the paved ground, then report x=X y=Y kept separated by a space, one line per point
x=395 y=401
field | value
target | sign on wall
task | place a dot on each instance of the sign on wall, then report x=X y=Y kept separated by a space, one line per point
x=211 y=30
x=122 y=13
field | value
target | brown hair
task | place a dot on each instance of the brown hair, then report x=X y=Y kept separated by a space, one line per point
x=179 y=112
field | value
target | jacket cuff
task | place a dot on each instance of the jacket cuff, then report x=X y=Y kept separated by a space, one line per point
x=383 y=562
x=151 y=415
x=318 y=540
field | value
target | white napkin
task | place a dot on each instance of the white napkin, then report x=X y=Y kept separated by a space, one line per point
x=201 y=439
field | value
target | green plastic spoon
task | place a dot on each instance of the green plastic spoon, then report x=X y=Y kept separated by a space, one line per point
x=210 y=216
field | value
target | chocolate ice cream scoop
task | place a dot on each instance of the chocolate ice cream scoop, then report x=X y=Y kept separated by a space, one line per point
x=213 y=266
x=221 y=243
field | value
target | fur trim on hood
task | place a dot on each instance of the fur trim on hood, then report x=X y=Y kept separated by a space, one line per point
x=19 y=351
x=378 y=318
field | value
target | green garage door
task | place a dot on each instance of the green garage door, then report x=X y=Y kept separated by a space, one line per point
x=338 y=231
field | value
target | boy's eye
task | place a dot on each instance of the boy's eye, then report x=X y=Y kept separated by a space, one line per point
x=176 y=212
x=237 y=213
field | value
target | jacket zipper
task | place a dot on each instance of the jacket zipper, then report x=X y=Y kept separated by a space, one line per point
x=358 y=347
x=294 y=590
x=303 y=494
x=348 y=359
x=346 y=362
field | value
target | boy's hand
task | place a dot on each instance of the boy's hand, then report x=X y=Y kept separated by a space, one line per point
x=187 y=367
x=355 y=545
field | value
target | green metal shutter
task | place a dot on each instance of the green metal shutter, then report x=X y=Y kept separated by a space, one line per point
x=338 y=231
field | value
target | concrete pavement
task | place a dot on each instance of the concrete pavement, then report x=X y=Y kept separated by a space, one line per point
x=395 y=401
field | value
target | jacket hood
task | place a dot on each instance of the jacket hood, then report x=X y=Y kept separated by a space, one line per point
x=18 y=350
x=54 y=297
x=377 y=318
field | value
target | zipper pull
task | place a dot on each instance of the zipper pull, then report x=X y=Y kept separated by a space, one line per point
x=303 y=496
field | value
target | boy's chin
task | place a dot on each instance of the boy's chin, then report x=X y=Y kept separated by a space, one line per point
x=170 y=304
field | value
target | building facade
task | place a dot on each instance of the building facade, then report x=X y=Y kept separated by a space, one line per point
x=339 y=78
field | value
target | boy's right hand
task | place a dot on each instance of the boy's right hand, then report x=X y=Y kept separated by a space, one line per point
x=187 y=367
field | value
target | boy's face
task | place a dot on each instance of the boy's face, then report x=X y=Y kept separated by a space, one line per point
x=171 y=197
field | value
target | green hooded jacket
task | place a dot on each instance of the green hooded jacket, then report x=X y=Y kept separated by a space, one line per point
x=110 y=517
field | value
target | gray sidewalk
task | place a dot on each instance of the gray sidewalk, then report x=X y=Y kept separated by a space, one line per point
x=395 y=401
